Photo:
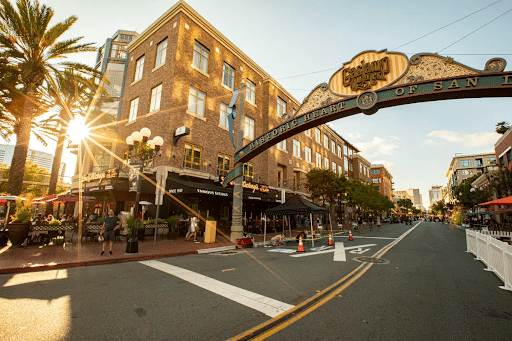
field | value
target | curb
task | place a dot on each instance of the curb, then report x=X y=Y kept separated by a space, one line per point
x=91 y=263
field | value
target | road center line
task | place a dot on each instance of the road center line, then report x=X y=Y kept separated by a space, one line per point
x=266 y=305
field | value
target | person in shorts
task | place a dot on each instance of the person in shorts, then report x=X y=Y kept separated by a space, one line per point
x=108 y=230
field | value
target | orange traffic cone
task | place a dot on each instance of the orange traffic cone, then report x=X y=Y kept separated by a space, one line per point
x=301 y=246
x=330 y=243
x=350 y=235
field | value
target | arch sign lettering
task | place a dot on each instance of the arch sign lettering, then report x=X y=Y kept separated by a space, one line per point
x=380 y=79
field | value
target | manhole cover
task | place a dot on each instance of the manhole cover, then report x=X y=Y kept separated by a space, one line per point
x=372 y=260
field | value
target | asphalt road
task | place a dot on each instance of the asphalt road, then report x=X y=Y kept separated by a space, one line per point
x=430 y=289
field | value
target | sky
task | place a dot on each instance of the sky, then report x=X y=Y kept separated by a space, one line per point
x=302 y=43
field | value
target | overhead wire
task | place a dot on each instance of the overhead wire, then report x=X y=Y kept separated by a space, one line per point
x=467 y=16
x=499 y=16
x=425 y=35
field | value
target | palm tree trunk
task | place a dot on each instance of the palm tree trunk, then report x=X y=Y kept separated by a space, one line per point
x=15 y=183
x=52 y=188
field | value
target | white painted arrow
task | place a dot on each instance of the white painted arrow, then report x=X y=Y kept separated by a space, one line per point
x=331 y=250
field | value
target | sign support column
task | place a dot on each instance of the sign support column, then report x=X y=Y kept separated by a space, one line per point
x=237 y=227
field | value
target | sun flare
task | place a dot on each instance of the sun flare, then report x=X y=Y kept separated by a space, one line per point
x=77 y=129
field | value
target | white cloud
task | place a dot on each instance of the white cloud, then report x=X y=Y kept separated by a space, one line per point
x=395 y=137
x=354 y=136
x=387 y=164
x=377 y=146
x=469 y=140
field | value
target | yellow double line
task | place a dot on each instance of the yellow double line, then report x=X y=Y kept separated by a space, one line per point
x=278 y=323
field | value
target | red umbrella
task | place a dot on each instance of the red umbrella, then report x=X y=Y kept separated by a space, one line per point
x=499 y=202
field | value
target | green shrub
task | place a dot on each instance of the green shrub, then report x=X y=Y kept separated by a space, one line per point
x=23 y=214
x=55 y=222
x=211 y=218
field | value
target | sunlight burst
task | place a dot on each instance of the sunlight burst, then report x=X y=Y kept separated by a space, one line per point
x=77 y=129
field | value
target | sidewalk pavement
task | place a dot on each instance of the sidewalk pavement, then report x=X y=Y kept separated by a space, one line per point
x=38 y=257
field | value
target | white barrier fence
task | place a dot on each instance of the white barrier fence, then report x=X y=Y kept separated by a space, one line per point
x=494 y=253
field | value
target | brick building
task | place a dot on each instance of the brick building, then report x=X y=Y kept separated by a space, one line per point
x=181 y=73
x=382 y=179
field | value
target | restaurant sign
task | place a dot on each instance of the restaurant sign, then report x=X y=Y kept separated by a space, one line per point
x=250 y=186
x=108 y=174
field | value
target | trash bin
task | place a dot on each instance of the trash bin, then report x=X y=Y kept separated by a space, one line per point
x=209 y=231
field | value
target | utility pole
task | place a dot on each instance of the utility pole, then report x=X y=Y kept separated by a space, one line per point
x=237 y=226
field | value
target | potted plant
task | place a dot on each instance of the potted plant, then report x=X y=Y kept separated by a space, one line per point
x=19 y=227
x=172 y=221
x=132 y=243
x=210 y=230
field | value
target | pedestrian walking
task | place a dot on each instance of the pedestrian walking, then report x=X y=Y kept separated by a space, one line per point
x=108 y=231
x=360 y=224
x=378 y=223
x=192 y=228
x=370 y=222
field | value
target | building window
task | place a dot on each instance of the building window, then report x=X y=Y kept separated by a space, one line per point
x=317 y=135
x=281 y=107
x=333 y=147
x=376 y=181
x=249 y=128
x=465 y=163
x=466 y=172
x=156 y=95
x=282 y=144
x=491 y=160
x=224 y=111
x=326 y=163
x=339 y=151
x=250 y=91
x=161 y=51
x=296 y=148
x=228 y=76
x=248 y=171
x=279 y=177
x=196 y=101
x=318 y=160
x=479 y=162
x=307 y=153
x=308 y=132
x=192 y=156
x=345 y=164
x=375 y=171
x=326 y=141
x=340 y=169
x=223 y=164
x=296 y=181
x=200 y=58
x=333 y=166
x=139 y=68
x=134 y=105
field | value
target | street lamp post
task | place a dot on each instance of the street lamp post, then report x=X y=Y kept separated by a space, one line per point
x=144 y=150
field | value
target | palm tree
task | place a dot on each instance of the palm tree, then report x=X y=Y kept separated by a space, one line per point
x=73 y=94
x=30 y=45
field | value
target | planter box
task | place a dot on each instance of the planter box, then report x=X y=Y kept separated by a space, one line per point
x=18 y=232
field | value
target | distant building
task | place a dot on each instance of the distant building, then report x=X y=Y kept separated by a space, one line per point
x=42 y=159
x=382 y=179
x=412 y=194
x=435 y=194
x=464 y=167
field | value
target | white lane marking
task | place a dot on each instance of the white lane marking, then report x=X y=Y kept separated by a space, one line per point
x=320 y=248
x=283 y=250
x=331 y=250
x=359 y=251
x=266 y=305
x=370 y=237
x=339 y=252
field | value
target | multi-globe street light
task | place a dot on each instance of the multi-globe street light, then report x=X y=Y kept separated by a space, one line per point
x=141 y=151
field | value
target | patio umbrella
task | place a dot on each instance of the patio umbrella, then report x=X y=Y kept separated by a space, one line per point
x=507 y=201
x=69 y=198
x=6 y=198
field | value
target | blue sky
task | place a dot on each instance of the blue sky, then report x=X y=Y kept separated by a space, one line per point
x=291 y=38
